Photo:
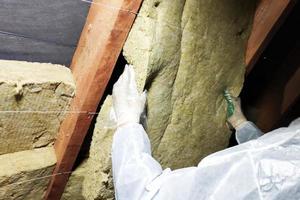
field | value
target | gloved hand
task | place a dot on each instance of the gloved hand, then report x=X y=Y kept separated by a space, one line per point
x=235 y=116
x=127 y=102
x=238 y=117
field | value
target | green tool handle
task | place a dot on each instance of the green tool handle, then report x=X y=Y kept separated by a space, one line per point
x=230 y=105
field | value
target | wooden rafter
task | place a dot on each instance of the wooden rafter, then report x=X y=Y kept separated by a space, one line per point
x=281 y=92
x=100 y=44
x=291 y=93
x=268 y=17
x=276 y=102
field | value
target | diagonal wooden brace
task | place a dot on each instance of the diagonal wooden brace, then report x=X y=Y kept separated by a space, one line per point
x=101 y=41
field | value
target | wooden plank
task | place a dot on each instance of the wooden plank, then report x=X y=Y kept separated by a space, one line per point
x=100 y=44
x=269 y=15
x=277 y=108
x=291 y=92
x=280 y=94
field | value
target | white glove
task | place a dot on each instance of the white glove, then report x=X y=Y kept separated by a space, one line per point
x=238 y=117
x=127 y=102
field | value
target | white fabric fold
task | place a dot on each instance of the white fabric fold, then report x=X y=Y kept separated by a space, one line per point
x=266 y=168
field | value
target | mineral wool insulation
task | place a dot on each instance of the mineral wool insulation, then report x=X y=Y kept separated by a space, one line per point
x=33 y=98
x=25 y=175
x=33 y=101
x=185 y=52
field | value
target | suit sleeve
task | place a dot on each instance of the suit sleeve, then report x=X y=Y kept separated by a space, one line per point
x=133 y=166
x=247 y=131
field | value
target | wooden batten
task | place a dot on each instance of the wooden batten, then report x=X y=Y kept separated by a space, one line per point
x=268 y=17
x=100 y=44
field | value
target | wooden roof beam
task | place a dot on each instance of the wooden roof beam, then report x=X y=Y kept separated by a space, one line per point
x=268 y=18
x=100 y=44
x=280 y=94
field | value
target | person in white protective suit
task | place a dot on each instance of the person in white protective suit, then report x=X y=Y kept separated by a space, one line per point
x=260 y=167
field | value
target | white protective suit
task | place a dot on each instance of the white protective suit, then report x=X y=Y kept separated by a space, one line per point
x=266 y=167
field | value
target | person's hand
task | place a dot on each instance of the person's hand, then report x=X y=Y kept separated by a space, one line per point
x=127 y=102
x=237 y=118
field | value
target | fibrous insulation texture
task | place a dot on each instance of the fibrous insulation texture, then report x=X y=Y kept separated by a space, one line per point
x=193 y=50
x=186 y=53
x=33 y=100
x=24 y=175
x=93 y=178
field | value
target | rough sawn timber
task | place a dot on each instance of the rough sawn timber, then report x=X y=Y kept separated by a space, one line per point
x=100 y=44
x=268 y=17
